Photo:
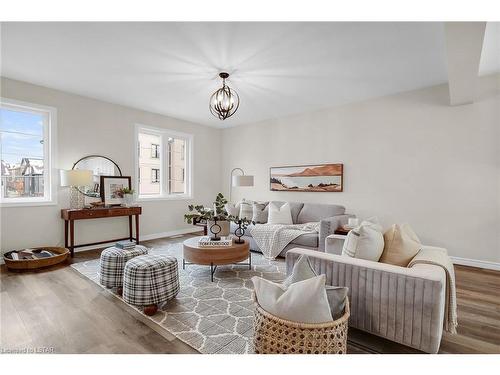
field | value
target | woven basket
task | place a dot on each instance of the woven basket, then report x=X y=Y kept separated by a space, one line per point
x=273 y=335
x=31 y=264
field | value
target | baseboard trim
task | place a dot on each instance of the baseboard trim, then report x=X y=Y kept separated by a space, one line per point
x=476 y=263
x=171 y=233
x=146 y=237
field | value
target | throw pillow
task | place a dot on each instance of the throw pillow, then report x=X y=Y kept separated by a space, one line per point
x=366 y=241
x=302 y=270
x=304 y=301
x=246 y=210
x=260 y=212
x=279 y=215
x=232 y=209
x=401 y=245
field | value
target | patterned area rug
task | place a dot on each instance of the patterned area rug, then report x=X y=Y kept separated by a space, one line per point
x=212 y=317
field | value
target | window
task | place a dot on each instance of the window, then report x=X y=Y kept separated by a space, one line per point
x=167 y=162
x=25 y=152
x=155 y=175
x=155 y=151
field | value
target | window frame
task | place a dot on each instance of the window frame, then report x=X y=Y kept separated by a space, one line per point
x=164 y=133
x=156 y=154
x=49 y=154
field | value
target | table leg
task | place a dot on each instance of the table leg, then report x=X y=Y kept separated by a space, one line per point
x=137 y=229
x=250 y=261
x=66 y=229
x=72 y=237
x=130 y=227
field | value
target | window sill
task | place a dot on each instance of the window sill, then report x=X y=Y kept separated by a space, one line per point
x=27 y=204
x=165 y=198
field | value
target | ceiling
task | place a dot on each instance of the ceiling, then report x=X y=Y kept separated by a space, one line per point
x=277 y=68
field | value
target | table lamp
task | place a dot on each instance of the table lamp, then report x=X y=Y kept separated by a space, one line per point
x=241 y=180
x=75 y=178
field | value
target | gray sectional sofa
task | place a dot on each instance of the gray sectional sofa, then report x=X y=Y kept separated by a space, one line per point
x=330 y=216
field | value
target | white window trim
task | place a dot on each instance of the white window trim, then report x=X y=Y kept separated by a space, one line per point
x=50 y=156
x=162 y=132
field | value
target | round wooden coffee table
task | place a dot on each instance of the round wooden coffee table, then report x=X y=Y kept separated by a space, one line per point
x=214 y=256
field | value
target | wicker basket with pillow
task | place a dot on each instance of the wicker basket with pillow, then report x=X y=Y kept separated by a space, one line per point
x=273 y=335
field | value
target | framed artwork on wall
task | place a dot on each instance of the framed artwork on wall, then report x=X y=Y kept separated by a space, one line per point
x=307 y=178
x=111 y=189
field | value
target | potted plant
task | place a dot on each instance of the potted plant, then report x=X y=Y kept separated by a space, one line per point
x=128 y=196
x=217 y=218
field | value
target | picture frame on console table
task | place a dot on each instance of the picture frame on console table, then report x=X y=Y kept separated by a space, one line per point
x=110 y=189
x=307 y=178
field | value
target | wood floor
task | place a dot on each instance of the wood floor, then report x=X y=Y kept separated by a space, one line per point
x=60 y=311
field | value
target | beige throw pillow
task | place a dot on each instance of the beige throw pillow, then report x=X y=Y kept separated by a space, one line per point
x=304 y=301
x=401 y=245
x=366 y=241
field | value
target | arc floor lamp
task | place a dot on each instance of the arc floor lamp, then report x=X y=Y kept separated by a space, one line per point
x=239 y=180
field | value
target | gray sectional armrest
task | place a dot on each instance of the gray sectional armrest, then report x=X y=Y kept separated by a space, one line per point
x=405 y=305
x=328 y=226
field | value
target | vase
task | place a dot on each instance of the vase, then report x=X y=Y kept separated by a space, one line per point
x=128 y=199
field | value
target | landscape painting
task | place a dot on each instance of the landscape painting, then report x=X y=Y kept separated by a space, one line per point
x=313 y=178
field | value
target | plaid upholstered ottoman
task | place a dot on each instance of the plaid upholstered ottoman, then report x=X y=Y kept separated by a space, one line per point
x=149 y=280
x=112 y=264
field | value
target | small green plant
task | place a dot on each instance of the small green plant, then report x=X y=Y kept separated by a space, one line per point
x=199 y=212
x=124 y=191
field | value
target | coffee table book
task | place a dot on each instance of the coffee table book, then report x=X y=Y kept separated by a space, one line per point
x=205 y=241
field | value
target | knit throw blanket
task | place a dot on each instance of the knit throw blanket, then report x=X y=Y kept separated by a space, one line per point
x=273 y=238
x=439 y=257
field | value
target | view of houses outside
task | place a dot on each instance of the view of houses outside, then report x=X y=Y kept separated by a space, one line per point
x=150 y=164
x=21 y=154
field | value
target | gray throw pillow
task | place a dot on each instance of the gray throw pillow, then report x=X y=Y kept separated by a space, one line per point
x=260 y=213
x=302 y=270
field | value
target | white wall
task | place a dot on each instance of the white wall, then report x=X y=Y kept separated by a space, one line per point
x=407 y=158
x=87 y=126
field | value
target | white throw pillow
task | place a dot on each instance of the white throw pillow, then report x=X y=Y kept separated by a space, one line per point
x=246 y=209
x=279 y=215
x=302 y=270
x=364 y=242
x=232 y=209
x=304 y=301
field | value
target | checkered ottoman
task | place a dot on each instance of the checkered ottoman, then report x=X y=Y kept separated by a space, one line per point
x=149 y=280
x=113 y=262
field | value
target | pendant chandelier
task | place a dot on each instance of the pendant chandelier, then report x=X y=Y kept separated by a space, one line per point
x=225 y=101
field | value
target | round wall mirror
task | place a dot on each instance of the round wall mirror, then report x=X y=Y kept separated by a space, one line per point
x=100 y=166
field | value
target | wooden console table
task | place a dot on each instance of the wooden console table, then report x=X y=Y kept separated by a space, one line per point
x=69 y=216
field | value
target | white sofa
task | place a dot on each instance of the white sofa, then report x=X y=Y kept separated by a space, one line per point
x=405 y=305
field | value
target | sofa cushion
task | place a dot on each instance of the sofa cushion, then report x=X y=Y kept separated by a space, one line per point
x=366 y=241
x=312 y=212
x=260 y=212
x=246 y=209
x=295 y=208
x=279 y=214
x=401 y=245
x=307 y=239
x=233 y=208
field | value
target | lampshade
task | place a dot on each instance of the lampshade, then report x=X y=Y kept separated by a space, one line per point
x=75 y=177
x=244 y=180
